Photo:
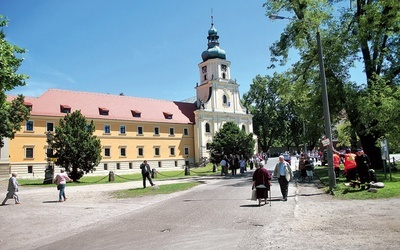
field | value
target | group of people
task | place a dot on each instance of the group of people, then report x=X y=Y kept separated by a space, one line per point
x=61 y=181
x=305 y=167
x=356 y=166
x=233 y=163
x=12 y=190
x=262 y=179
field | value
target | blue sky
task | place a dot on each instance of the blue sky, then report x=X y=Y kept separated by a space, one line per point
x=140 y=48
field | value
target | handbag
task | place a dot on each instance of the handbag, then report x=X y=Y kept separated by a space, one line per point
x=253 y=195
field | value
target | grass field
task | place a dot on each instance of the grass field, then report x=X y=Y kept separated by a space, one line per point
x=341 y=191
x=88 y=180
x=159 y=189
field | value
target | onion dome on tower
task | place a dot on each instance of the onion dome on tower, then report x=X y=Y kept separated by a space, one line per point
x=213 y=51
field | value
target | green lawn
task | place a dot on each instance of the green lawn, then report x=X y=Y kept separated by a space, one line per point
x=391 y=189
x=158 y=189
x=88 y=180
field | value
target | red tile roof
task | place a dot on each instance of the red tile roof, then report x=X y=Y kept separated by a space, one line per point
x=120 y=107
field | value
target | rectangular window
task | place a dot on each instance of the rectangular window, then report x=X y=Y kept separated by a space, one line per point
x=50 y=127
x=130 y=165
x=186 y=150
x=157 y=151
x=140 y=151
x=122 y=129
x=140 y=130
x=105 y=166
x=29 y=126
x=172 y=151
x=185 y=131
x=30 y=169
x=29 y=153
x=156 y=131
x=159 y=164
x=123 y=151
x=107 y=152
x=171 y=131
x=176 y=163
x=107 y=129
x=118 y=165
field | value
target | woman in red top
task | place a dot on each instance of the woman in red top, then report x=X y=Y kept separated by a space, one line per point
x=336 y=164
x=261 y=182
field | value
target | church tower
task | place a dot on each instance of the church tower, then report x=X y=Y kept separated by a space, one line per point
x=218 y=97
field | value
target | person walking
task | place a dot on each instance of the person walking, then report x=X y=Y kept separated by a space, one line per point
x=309 y=169
x=61 y=181
x=262 y=183
x=12 y=190
x=284 y=173
x=302 y=170
x=336 y=164
x=224 y=166
x=350 y=165
x=146 y=173
x=363 y=164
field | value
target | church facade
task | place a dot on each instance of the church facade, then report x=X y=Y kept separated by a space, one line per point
x=167 y=134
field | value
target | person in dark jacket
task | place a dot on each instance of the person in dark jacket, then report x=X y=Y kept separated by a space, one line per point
x=363 y=164
x=146 y=173
x=261 y=182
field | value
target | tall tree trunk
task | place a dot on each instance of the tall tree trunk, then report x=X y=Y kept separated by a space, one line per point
x=368 y=143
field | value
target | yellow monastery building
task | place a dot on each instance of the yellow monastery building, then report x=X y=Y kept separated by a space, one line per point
x=167 y=134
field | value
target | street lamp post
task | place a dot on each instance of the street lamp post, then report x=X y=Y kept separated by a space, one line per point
x=325 y=102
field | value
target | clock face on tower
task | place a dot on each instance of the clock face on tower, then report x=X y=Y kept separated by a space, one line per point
x=204 y=69
x=223 y=67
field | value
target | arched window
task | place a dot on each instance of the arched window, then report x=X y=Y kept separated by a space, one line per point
x=208 y=145
x=208 y=128
x=243 y=128
x=224 y=99
x=223 y=76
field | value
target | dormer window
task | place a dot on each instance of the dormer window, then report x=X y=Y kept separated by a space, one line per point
x=65 y=109
x=136 y=113
x=167 y=115
x=28 y=105
x=103 y=111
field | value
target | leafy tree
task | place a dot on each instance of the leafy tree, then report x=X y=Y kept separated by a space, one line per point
x=367 y=33
x=264 y=103
x=76 y=148
x=14 y=112
x=232 y=140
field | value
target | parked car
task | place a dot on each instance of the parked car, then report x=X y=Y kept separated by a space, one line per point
x=287 y=158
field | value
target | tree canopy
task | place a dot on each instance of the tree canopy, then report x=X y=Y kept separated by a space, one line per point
x=363 y=38
x=14 y=112
x=230 y=140
x=75 y=147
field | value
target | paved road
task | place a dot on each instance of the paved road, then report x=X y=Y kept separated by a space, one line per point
x=215 y=215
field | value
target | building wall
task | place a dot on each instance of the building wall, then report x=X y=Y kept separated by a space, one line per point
x=131 y=141
x=4 y=159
